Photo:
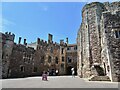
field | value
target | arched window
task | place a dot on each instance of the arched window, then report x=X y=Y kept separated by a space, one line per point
x=62 y=59
x=22 y=68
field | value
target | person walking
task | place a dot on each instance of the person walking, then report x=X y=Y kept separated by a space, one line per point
x=44 y=76
x=56 y=72
x=73 y=72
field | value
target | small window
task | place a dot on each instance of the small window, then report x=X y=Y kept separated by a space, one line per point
x=62 y=50
x=117 y=34
x=22 y=69
x=62 y=59
x=56 y=60
x=69 y=60
x=2 y=56
x=51 y=50
x=68 y=48
x=62 y=67
x=75 y=48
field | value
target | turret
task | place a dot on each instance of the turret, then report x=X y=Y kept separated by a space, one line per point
x=10 y=36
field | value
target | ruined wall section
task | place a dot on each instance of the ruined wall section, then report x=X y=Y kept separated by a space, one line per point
x=112 y=33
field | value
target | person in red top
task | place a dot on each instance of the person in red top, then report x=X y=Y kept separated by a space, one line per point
x=44 y=76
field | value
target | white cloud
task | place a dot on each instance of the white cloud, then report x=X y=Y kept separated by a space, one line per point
x=5 y=24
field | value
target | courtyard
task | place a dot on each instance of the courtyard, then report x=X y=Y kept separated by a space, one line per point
x=56 y=82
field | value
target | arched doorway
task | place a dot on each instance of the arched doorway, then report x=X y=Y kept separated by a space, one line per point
x=69 y=70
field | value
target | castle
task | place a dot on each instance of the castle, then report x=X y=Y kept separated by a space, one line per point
x=96 y=55
x=98 y=41
x=23 y=60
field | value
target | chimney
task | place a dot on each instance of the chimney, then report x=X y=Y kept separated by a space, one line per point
x=6 y=32
x=38 y=40
x=50 y=36
x=61 y=42
x=25 y=42
x=67 y=40
x=19 y=40
x=9 y=33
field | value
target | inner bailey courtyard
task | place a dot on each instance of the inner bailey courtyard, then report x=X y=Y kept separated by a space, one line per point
x=57 y=82
x=95 y=55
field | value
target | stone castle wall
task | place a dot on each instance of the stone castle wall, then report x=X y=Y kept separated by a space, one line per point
x=111 y=44
x=90 y=54
x=23 y=60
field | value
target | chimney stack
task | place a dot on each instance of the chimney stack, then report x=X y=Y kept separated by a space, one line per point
x=38 y=40
x=61 y=42
x=19 y=40
x=50 y=37
x=25 y=42
x=67 y=40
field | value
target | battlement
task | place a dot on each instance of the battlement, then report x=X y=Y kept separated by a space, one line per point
x=10 y=36
x=43 y=42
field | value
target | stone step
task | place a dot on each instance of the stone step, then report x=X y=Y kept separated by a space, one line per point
x=99 y=78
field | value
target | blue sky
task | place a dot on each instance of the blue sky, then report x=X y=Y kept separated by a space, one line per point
x=31 y=20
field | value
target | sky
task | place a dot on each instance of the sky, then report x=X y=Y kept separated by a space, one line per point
x=31 y=20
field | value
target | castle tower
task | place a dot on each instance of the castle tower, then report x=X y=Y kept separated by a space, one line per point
x=10 y=36
x=97 y=41
x=90 y=41
x=9 y=42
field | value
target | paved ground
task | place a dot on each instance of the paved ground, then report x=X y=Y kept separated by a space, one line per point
x=56 y=82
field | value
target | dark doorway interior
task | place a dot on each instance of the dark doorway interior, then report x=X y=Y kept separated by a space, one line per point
x=99 y=70
x=69 y=70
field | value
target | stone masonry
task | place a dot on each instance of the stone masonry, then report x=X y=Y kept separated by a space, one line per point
x=98 y=48
x=23 y=60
